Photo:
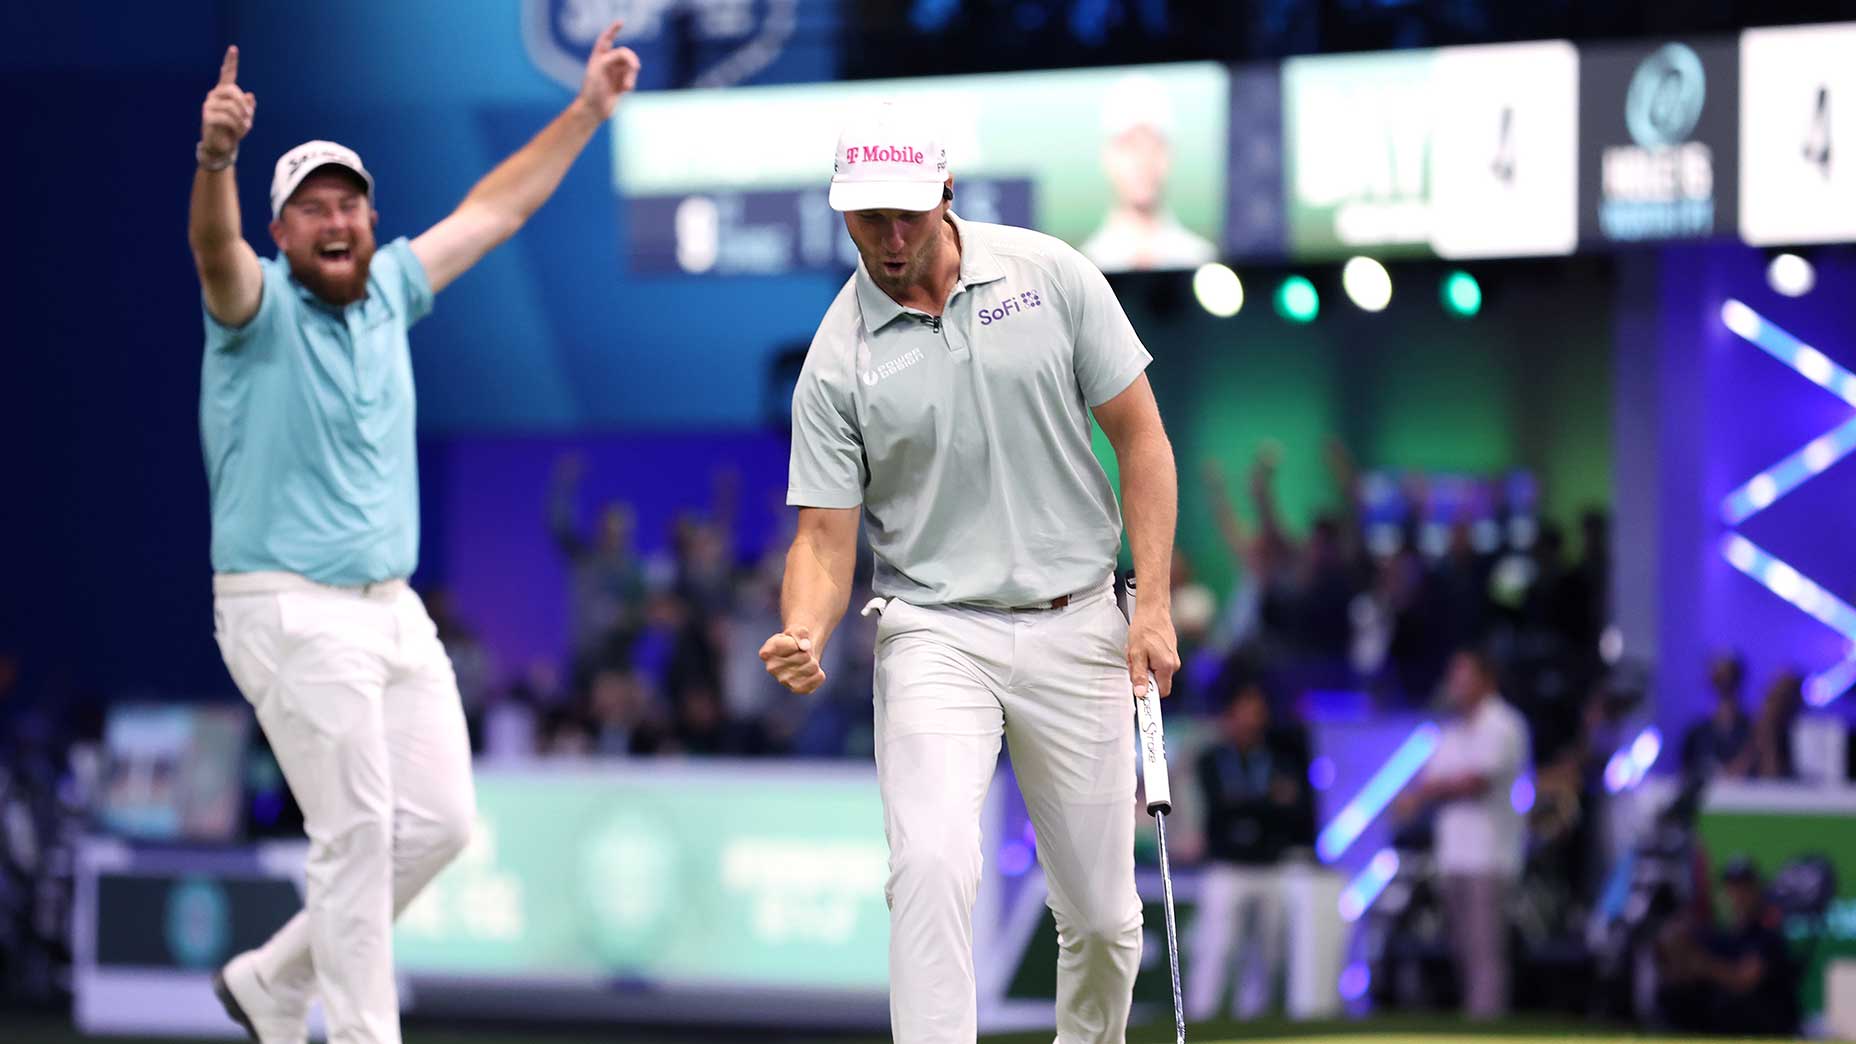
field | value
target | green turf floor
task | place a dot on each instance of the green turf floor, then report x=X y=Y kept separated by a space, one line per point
x=1393 y=1029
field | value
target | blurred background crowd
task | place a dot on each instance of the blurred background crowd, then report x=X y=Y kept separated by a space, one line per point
x=1505 y=357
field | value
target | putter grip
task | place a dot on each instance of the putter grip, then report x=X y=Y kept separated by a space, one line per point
x=1152 y=737
x=1153 y=750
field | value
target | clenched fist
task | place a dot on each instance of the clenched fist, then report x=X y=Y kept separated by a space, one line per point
x=792 y=658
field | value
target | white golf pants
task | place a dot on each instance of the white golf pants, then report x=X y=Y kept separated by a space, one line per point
x=950 y=683
x=359 y=703
x=1229 y=896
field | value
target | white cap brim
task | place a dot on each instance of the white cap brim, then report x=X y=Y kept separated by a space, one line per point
x=322 y=156
x=290 y=185
x=885 y=195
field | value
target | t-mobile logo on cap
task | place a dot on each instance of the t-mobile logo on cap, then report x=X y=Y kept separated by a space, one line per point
x=883 y=154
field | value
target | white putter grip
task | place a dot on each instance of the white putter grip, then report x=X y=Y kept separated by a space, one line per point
x=1152 y=738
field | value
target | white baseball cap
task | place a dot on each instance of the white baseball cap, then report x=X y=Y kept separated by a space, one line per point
x=888 y=159
x=306 y=159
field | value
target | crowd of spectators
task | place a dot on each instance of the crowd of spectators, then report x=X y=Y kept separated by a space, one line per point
x=663 y=646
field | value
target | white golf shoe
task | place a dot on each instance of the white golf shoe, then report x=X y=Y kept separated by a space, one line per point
x=268 y=1018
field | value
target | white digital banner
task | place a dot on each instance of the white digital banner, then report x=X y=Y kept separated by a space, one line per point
x=1797 y=123
x=1505 y=150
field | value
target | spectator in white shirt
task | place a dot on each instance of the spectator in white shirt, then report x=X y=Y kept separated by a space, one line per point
x=1478 y=833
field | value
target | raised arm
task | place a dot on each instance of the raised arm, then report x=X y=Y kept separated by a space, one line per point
x=1242 y=545
x=1150 y=502
x=814 y=595
x=506 y=197
x=228 y=267
x=1346 y=474
x=1263 y=494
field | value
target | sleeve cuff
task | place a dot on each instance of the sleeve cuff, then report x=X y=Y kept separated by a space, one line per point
x=418 y=283
x=823 y=498
x=1121 y=381
x=220 y=337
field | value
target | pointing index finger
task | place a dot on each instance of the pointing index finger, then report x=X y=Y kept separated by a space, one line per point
x=228 y=69
x=604 y=43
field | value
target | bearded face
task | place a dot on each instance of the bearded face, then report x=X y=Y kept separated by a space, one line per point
x=897 y=246
x=326 y=232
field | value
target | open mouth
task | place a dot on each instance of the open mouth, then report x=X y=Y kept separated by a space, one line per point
x=895 y=267
x=335 y=253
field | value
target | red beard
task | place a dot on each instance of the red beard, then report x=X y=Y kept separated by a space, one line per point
x=337 y=289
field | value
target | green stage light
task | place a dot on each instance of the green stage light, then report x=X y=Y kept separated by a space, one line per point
x=1462 y=294
x=1297 y=301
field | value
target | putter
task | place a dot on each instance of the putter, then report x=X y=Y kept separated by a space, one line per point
x=1159 y=803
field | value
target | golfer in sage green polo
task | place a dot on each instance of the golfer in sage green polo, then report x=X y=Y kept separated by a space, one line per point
x=946 y=404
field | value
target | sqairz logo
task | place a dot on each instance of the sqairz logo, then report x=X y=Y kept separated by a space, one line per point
x=747 y=34
x=1012 y=305
x=893 y=367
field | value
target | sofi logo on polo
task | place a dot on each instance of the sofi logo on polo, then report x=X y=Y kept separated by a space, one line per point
x=1013 y=305
x=883 y=154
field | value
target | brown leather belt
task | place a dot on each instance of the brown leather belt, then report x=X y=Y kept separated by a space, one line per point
x=1056 y=603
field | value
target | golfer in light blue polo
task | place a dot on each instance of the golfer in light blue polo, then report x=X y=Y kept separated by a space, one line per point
x=306 y=416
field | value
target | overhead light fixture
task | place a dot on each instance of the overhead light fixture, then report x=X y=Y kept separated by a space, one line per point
x=1367 y=283
x=1297 y=301
x=1790 y=275
x=1462 y=295
x=1218 y=289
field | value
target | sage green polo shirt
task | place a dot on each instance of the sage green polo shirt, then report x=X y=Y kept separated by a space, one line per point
x=966 y=439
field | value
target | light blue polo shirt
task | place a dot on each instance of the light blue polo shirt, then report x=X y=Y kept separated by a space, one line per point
x=306 y=417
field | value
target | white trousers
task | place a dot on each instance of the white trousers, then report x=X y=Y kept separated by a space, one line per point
x=951 y=682
x=1229 y=897
x=359 y=703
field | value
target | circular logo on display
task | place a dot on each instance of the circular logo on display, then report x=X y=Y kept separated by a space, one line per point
x=630 y=886
x=199 y=923
x=1665 y=97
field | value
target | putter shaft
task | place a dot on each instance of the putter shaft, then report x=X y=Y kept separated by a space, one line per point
x=1172 y=932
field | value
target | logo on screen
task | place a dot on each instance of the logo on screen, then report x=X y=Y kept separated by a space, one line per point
x=745 y=36
x=1665 y=98
x=1661 y=184
x=199 y=923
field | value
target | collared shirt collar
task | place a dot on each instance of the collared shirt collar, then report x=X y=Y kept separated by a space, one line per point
x=977 y=266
